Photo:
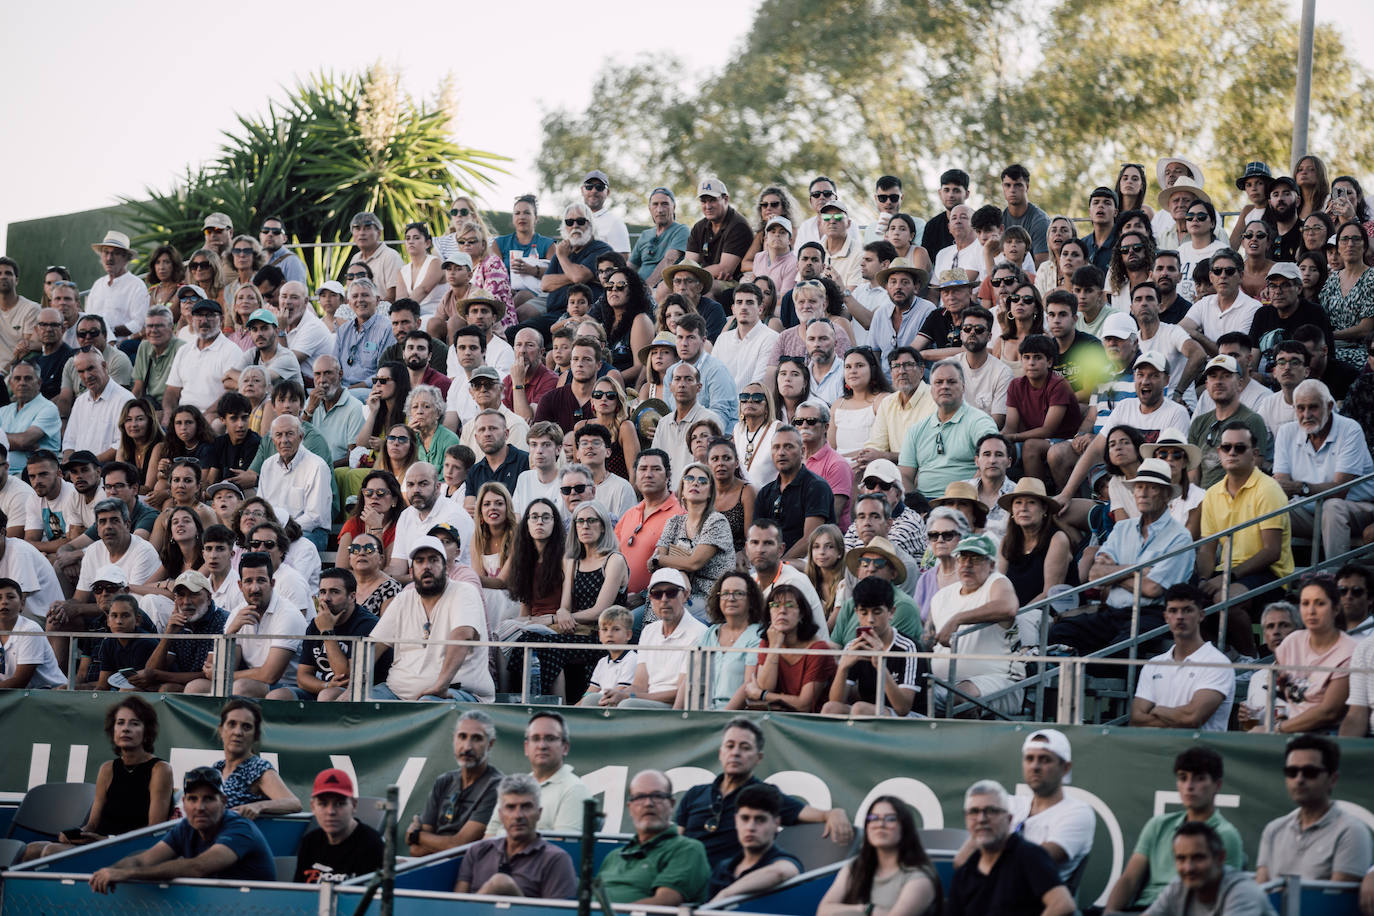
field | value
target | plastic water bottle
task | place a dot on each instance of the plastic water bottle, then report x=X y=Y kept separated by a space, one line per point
x=535 y=685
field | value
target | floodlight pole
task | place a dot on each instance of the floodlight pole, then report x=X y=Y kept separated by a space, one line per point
x=1303 y=102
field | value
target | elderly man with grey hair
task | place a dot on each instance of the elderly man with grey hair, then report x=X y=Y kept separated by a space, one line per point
x=571 y=261
x=94 y=422
x=519 y=863
x=305 y=334
x=358 y=344
x=462 y=800
x=200 y=369
x=153 y=360
x=1278 y=620
x=384 y=263
x=1321 y=452
x=298 y=481
x=1026 y=882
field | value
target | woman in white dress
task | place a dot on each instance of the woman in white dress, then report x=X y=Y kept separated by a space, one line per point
x=865 y=386
x=754 y=434
x=421 y=279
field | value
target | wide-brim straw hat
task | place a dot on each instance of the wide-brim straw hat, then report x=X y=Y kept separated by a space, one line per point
x=879 y=545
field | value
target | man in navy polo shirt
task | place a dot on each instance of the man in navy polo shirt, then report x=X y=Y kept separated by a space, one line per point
x=209 y=842
x=797 y=499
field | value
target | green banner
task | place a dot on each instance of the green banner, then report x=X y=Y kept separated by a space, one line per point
x=1125 y=774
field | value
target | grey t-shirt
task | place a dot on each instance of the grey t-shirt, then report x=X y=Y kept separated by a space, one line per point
x=450 y=806
x=1239 y=895
x=1336 y=843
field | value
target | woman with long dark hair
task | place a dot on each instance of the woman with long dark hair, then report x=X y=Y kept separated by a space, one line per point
x=1133 y=188
x=626 y=314
x=1347 y=203
x=792 y=382
x=493 y=540
x=735 y=495
x=534 y=571
x=735 y=612
x=140 y=441
x=385 y=406
x=165 y=275
x=1073 y=254
x=1313 y=271
x=891 y=875
x=1348 y=295
x=421 y=278
x=780 y=680
x=1037 y=552
x=1025 y=316
x=1047 y=276
x=865 y=387
x=182 y=551
x=400 y=450
x=379 y=505
x=1316 y=698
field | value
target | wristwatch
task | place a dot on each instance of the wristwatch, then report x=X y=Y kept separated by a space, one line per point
x=1306 y=489
x=414 y=836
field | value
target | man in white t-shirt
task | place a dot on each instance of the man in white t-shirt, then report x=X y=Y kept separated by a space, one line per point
x=268 y=663
x=609 y=227
x=427 y=509
x=438 y=608
x=659 y=673
x=1231 y=309
x=26 y=661
x=199 y=370
x=966 y=252
x=19 y=503
x=1276 y=407
x=1048 y=817
x=117 y=545
x=304 y=333
x=1175 y=689
x=1184 y=355
x=545 y=444
x=22 y=562
x=986 y=378
x=745 y=347
x=593 y=449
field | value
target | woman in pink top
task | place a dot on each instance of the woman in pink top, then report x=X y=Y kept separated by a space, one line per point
x=1316 y=698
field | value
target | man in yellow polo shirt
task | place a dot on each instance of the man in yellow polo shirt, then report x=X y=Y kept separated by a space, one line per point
x=1260 y=553
x=910 y=404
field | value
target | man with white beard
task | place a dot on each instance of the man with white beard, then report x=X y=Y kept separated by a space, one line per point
x=572 y=261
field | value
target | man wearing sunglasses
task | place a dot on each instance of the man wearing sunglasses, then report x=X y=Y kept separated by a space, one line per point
x=91 y=337
x=887 y=197
x=821 y=190
x=1317 y=840
x=1287 y=311
x=659 y=674
x=1356 y=585
x=1131 y=263
x=610 y=228
x=1230 y=309
x=272 y=235
x=573 y=261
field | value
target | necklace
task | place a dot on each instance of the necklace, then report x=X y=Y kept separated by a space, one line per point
x=751 y=443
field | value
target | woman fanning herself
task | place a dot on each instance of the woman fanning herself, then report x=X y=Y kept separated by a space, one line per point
x=891 y=875
x=781 y=680
x=698 y=543
x=252 y=786
x=1316 y=698
x=132 y=791
x=734 y=610
x=734 y=495
x=865 y=386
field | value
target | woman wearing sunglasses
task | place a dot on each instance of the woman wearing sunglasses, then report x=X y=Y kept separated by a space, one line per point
x=400 y=450
x=1024 y=316
x=1182 y=456
x=944 y=527
x=626 y=313
x=1256 y=241
x=699 y=543
x=1202 y=241
x=207 y=270
x=376 y=589
x=246 y=258
x=379 y=505
x=489 y=273
x=608 y=409
x=754 y=433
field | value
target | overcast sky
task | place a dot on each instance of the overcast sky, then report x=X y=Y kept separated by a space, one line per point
x=139 y=110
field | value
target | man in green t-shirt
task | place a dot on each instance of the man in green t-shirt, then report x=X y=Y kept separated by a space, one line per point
x=1198 y=771
x=659 y=866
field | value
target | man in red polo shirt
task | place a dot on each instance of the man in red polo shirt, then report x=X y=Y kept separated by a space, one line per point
x=639 y=528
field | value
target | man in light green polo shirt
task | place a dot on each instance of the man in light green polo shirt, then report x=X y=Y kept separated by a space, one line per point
x=153 y=362
x=335 y=416
x=659 y=866
x=939 y=449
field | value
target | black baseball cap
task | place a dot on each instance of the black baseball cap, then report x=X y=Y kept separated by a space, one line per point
x=202 y=776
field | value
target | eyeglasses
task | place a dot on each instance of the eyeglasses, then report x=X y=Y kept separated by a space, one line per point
x=1225 y=271
x=1195 y=217
x=696 y=479
x=799 y=360
x=989 y=811
x=630 y=542
x=1237 y=448
x=833 y=217
x=817 y=195
x=664 y=594
x=784 y=604
x=263 y=545
x=357 y=549
x=468 y=240
x=375 y=492
x=770 y=205
x=360 y=275
x=194 y=462
x=88 y=334
x=213 y=230
x=888 y=198
x=1002 y=281
x=398 y=438
x=50 y=324
x=241 y=251
x=1356 y=591
x=1308 y=771
x=737 y=594
x=575 y=221
x=939 y=443
x=587 y=521
x=381 y=380
x=604 y=396
x=1350 y=238
x=888 y=819
x=649 y=797
x=806 y=421
x=540 y=518
x=1293 y=363
x=593 y=186
x=55 y=268
x=905 y=366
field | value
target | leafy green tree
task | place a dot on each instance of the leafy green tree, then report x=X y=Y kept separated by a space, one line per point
x=336 y=146
x=856 y=88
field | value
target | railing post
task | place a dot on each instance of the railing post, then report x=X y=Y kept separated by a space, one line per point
x=73 y=661
x=220 y=684
x=525 y=675
x=1068 y=691
x=360 y=675
x=880 y=693
x=1225 y=591
x=1135 y=632
x=1317 y=530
